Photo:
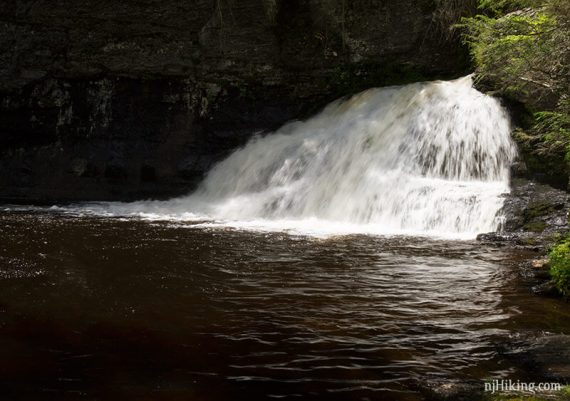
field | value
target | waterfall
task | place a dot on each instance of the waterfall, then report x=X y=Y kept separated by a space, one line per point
x=428 y=158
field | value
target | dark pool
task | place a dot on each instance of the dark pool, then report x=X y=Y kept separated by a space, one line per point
x=116 y=309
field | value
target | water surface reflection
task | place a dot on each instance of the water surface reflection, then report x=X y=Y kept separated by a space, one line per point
x=96 y=308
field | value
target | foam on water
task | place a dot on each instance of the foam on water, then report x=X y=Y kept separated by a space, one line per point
x=423 y=159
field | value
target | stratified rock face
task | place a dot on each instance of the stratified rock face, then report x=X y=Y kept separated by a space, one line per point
x=102 y=99
x=535 y=215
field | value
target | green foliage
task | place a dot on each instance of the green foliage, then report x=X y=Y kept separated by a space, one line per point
x=521 y=48
x=554 y=127
x=504 y=6
x=545 y=145
x=510 y=50
x=560 y=266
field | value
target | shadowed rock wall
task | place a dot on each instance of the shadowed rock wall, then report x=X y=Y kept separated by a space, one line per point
x=121 y=100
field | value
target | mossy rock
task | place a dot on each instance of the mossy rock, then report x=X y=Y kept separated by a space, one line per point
x=533 y=214
x=539 y=210
x=535 y=226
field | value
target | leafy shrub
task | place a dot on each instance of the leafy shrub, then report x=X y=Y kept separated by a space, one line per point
x=560 y=266
x=505 y=6
x=522 y=46
x=510 y=51
x=555 y=129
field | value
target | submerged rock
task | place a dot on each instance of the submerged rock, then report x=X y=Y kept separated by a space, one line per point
x=547 y=289
x=441 y=390
x=550 y=356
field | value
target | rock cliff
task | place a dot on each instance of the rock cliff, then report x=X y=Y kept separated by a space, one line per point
x=134 y=99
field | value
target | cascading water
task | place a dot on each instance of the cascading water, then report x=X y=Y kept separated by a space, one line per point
x=427 y=158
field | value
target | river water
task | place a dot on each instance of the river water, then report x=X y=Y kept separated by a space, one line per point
x=125 y=309
x=333 y=259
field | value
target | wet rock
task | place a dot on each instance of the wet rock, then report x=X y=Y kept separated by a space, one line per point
x=547 y=289
x=550 y=355
x=441 y=390
x=519 y=169
x=543 y=274
x=539 y=263
x=497 y=237
x=535 y=214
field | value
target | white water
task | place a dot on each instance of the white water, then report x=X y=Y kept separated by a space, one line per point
x=429 y=159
